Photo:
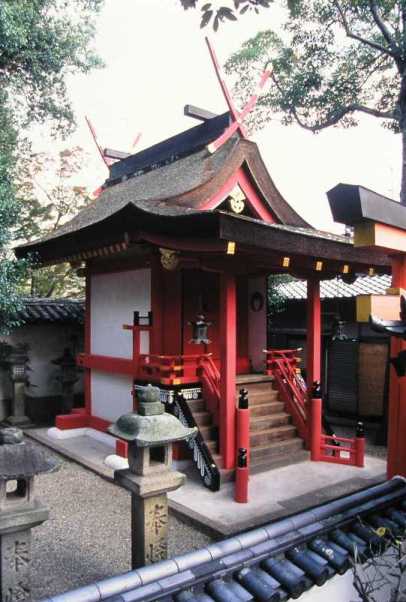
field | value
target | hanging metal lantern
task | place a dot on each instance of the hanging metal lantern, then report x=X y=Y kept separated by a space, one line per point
x=199 y=331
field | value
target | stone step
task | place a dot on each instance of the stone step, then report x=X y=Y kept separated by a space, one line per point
x=286 y=448
x=279 y=433
x=245 y=379
x=254 y=388
x=260 y=423
x=202 y=418
x=255 y=399
x=279 y=460
x=196 y=405
x=264 y=409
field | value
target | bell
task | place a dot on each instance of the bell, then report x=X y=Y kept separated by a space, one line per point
x=199 y=331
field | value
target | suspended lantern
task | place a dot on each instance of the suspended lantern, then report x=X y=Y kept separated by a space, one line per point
x=199 y=330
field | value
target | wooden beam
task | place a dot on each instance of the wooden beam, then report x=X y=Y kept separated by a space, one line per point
x=386 y=307
x=115 y=154
x=370 y=234
x=198 y=113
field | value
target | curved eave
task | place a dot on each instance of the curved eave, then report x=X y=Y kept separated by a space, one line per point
x=141 y=226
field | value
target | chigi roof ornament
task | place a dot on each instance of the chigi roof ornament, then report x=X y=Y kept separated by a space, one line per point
x=237 y=117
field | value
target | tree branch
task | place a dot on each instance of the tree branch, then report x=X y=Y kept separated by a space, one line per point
x=354 y=36
x=335 y=116
x=384 y=30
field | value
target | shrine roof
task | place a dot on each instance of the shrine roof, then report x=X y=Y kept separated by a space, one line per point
x=39 y=310
x=277 y=561
x=333 y=289
x=175 y=177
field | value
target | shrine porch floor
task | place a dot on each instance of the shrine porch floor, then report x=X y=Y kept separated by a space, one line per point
x=273 y=494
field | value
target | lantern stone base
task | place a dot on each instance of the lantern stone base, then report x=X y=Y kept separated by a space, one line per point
x=15 y=549
x=149 y=513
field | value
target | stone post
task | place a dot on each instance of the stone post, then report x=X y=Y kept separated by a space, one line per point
x=17 y=361
x=149 y=478
x=20 y=511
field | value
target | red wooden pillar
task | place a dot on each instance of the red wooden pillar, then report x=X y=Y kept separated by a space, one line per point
x=313 y=347
x=87 y=382
x=157 y=303
x=228 y=363
x=397 y=390
x=313 y=352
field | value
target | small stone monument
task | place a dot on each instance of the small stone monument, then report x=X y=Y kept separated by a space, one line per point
x=20 y=510
x=150 y=435
x=18 y=366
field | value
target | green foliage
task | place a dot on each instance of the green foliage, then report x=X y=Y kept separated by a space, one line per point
x=218 y=13
x=49 y=194
x=41 y=43
x=331 y=61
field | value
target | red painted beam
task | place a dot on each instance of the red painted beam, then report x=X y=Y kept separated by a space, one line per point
x=228 y=358
x=106 y=363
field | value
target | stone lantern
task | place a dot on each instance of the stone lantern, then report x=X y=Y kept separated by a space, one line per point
x=18 y=366
x=20 y=510
x=68 y=377
x=150 y=435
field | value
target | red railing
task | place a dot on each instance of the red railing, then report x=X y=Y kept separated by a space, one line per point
x=209 y=376
x=330 y=448
x=307 y=415
x=282 y=365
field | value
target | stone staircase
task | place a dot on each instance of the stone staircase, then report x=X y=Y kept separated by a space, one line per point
x=273 y=437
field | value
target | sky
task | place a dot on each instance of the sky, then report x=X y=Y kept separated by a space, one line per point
x=157 y=61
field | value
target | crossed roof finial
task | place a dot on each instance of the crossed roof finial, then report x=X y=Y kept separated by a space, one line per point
x=237 y=117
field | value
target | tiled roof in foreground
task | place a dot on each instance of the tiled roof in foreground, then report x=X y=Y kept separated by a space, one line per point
x=275 y=562
x=39 y=310
x=337 y=288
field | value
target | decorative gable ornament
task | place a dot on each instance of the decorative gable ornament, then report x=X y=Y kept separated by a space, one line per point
x=169 y=259
x=237 y=200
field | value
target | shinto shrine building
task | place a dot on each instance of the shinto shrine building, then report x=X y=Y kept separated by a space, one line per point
x=180 y=230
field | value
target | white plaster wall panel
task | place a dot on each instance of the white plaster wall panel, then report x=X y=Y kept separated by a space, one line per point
x=111 y=395
x=114 y=298
x=257 y=324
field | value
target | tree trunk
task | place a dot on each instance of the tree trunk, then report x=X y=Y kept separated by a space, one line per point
x=403 y=178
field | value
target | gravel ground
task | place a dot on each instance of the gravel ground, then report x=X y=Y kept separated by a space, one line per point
x=87 y=536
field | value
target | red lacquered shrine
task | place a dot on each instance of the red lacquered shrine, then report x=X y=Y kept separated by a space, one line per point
x=194 y=225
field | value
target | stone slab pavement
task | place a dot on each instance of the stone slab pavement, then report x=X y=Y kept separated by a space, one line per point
x=272 y=494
